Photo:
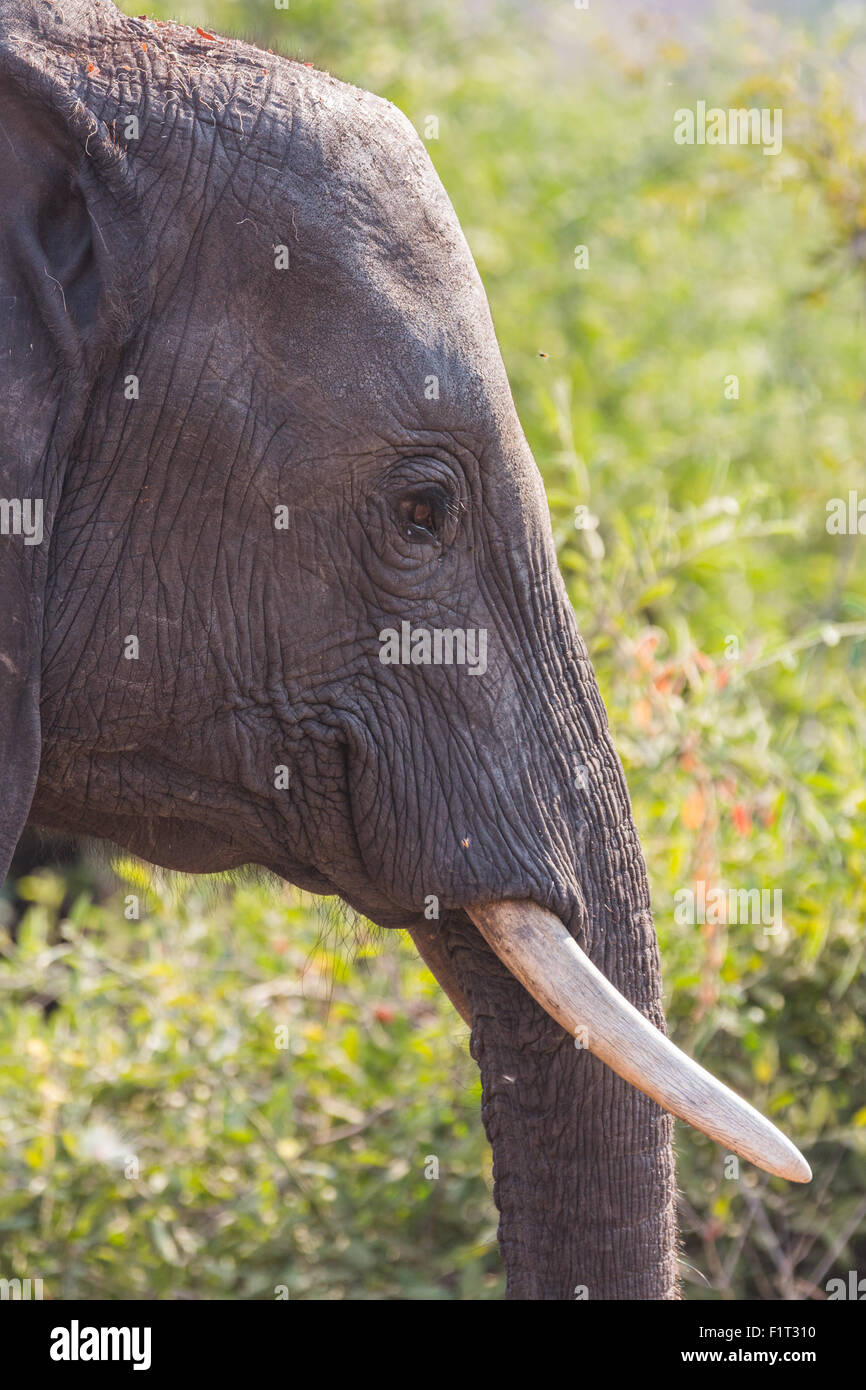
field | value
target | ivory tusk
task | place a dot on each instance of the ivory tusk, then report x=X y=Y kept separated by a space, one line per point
x=541 y=954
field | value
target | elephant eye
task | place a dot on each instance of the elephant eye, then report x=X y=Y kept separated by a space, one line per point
x=420 y=516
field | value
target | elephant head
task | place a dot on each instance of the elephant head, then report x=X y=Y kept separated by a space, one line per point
x=280 y=588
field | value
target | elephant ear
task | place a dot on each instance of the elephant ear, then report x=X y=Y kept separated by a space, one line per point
x=70 y=293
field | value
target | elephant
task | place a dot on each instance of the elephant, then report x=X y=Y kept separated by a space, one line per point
x=266 y=504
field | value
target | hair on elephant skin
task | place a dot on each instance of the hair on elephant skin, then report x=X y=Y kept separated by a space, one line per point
x=279 y=586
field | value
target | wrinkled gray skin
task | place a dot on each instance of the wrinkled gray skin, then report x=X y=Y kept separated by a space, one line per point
x=305 y=387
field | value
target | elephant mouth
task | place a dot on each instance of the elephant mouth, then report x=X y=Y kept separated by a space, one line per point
x=537 y=949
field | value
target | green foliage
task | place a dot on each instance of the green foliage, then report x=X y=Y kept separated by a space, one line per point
x=211 y=1103
x=726 y=626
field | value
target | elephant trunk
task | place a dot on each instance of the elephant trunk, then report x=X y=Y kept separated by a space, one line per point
x=566 y=1015
x=582 y=1162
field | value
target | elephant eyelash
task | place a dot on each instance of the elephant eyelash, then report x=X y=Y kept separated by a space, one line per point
x=422 y=515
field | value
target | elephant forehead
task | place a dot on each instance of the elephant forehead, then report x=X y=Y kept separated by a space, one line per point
x=339 y=173
x=362 y=200
x=381 y=292
x=237 y=152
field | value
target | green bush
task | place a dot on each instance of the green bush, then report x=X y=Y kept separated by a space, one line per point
x=211 y=1102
